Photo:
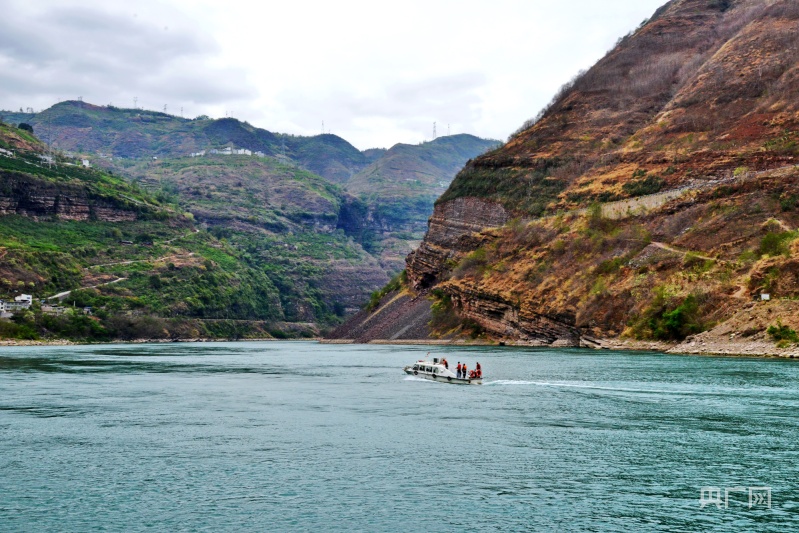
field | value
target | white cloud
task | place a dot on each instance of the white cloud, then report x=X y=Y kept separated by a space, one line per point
x=376 y=73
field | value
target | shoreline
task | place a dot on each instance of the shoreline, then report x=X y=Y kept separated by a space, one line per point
x=65 y=342
x=690 y=347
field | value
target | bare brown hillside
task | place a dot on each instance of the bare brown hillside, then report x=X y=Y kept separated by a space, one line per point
x=654 y=198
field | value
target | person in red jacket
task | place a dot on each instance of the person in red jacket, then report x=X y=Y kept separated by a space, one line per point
x=464 y=371
x=459 y=369
x=479 y=371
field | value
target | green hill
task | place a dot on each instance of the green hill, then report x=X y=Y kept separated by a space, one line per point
x=328 y=155
x=140 y=263
x=138 y=134
x=304 y=232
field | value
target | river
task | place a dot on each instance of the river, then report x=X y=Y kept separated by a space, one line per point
x=298 y=436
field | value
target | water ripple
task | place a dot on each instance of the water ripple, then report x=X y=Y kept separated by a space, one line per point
x=300 y=436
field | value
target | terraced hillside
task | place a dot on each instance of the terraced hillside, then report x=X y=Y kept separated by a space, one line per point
x=77 y=237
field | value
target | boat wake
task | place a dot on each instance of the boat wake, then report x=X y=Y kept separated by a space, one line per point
x=513 y=382
x=588 y=386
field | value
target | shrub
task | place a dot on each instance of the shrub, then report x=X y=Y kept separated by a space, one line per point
x=783 y=334
x=775 y=244
x=611 y=266
x=642 y=187
x=721 y=5
x=789 y=203
x=396 y=283
x=666 y=319
x=25 y=126
x=473 y=328
x=443 y=315
x=474 y=263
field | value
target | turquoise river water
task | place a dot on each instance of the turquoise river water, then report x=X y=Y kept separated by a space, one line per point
x=298 y=436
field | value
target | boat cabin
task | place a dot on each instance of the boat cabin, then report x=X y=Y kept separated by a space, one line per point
x=434 y=368
x=436 y=371
x=426 y=366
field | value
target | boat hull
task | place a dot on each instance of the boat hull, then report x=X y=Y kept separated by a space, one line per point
x=442 y=379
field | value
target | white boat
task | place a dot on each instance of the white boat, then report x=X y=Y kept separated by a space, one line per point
x=436 y=371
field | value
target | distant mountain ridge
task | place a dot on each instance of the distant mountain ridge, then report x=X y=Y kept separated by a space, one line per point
x=397 y=186
x=83 y=127
x=401 y=186
x=314 y=250
x=138 y=133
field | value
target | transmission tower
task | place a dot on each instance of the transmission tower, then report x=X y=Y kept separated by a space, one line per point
x=434 y=130
x=164 y=108
x=135 y=102
x=49 y=141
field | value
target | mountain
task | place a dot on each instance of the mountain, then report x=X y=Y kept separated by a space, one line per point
x=398 y=185
x=281 y=201
x=655 y=199
x=404 y=182
x=305 y=233
x=81 y=127
x=75 y=237
x=327 y=155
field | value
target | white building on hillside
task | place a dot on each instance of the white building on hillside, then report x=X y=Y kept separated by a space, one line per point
x=24 y=298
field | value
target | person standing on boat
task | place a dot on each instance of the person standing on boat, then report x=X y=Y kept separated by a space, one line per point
x=445 y=363
x=479 y=371
x=464 y=372
x=459 y=369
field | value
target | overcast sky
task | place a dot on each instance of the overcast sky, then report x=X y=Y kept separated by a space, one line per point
x=375 y=75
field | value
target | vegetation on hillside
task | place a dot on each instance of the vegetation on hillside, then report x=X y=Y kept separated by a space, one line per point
x=298 y=228
x=143 y=134
x=147 y=272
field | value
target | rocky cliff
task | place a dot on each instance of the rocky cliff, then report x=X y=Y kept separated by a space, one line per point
x=452 y=230
x=26 y=195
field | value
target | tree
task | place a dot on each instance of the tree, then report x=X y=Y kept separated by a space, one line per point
x=25 y=126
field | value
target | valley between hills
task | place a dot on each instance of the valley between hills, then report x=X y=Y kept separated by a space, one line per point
x=202 y=228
